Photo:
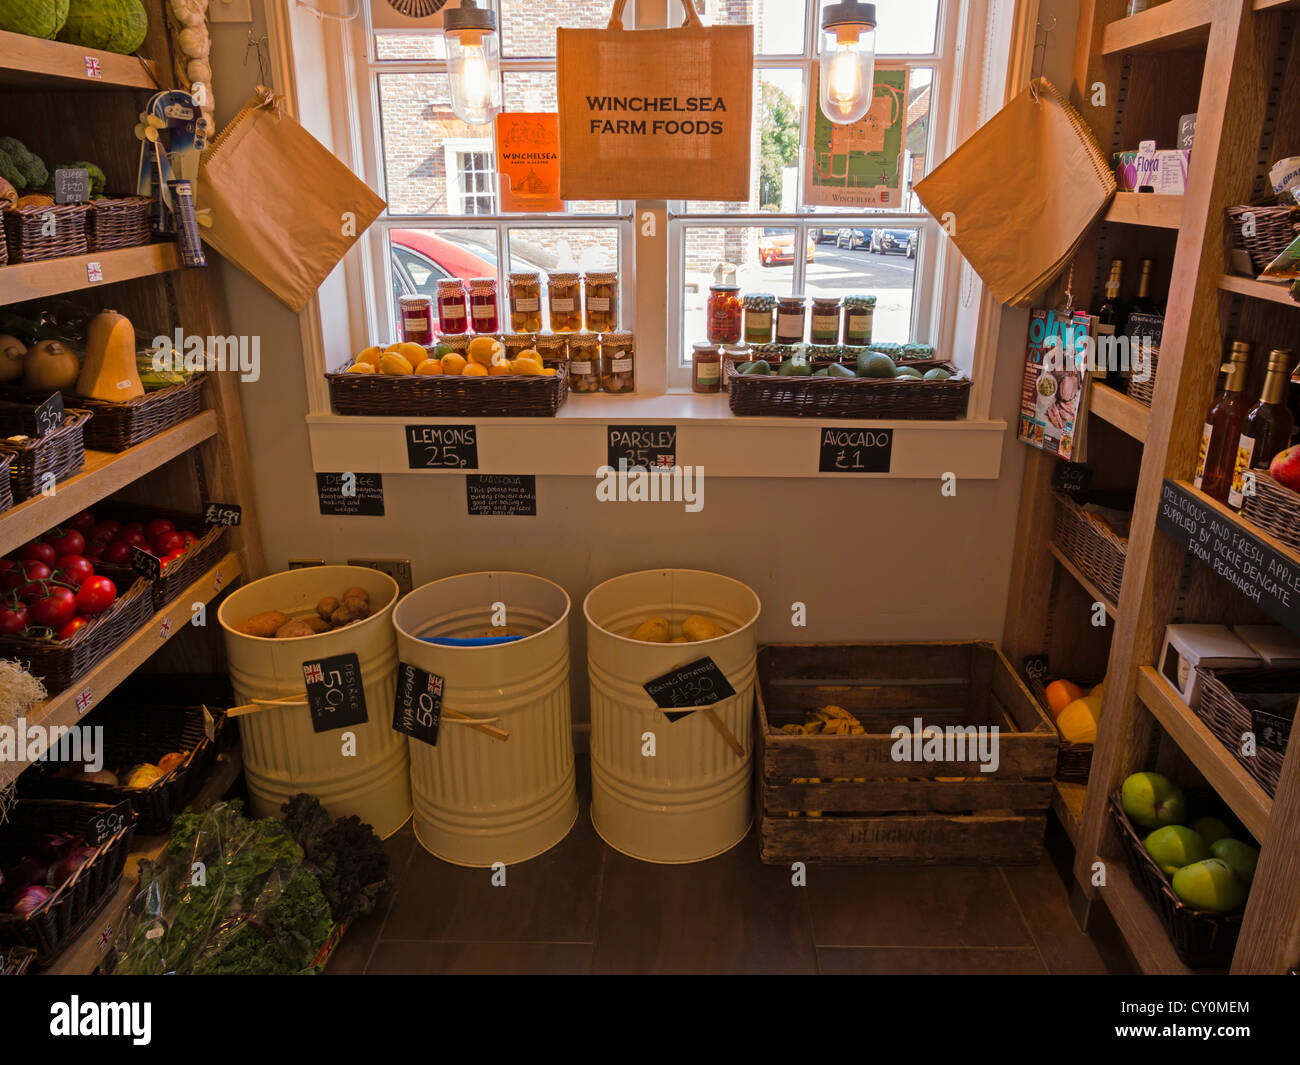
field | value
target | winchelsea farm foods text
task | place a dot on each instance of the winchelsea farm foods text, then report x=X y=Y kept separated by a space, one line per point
x=662 y=105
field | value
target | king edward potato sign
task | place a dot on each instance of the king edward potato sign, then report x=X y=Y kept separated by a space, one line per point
x=655 y=114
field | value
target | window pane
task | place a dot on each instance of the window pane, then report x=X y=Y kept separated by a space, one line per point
x=528 y=26
x=903 y=27
x=778 y=24
x=919 y=108
x=547 y=250
x=871 y=261
x=420 y=258
x=389 y=46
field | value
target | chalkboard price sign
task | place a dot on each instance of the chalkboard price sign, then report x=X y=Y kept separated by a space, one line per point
x=229 y=514
x=689 y=687
x=1271 y=730
x=417 y=705
x=1037 y=666
x=351 y=494
x=501 y=495
x=71 y=185
x=442 y=447
x=849 y=450
x=641 y=447
x=107 y=824
x=48 y=416
x=147 y=565
x=335 y=695
x=1072 y=478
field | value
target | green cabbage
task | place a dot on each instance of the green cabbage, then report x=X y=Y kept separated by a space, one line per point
x=113 y=25
x=35 y=18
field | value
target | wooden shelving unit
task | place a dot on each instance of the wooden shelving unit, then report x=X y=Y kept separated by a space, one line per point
x=1084 y=582
x=53 y=277
x=1228 y=61
x=31 y=62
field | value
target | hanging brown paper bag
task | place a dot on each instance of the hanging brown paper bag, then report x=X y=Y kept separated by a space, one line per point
x=283 y=208
x=1018 y=195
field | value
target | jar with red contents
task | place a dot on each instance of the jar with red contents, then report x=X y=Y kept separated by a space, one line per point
x=483 y=312
x=417 y=319
x=453 y=316
x=723 y=314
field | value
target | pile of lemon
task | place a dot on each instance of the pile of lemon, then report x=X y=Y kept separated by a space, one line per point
x=485 y=357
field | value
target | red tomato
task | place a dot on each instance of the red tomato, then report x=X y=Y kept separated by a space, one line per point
x=54 y=609
x=78 y=622
x=132 y=538
x=166 y=543
x=95 y=551
x=76 y=568
x=11 y=579
x=96 y=595
x=105 y=530
x=37 y=552
x=66 y=542
x=172 y=556
x=118 y=553
x=189 y=538
x=13 y=618
x=83 y=522
x=157 y=527
x=7 y=563
x=133 y=526
x=31 y=578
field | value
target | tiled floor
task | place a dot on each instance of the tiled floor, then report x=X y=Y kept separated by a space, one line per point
x=583 y=907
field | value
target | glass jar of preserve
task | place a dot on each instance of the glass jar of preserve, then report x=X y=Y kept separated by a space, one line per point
x=706 y=368
x=552 y=347
x=453 y=316
x=485 y=317
x=759 y=317
x=564 y=293
x=790 y=314
x=525 y=302
x=731 y=355
x=584 y=362
x=723 y=314
x=417 y=319
x=601 y=299
x=858 y=313
x=617 y=362
x=825 y=328
x=514 y=343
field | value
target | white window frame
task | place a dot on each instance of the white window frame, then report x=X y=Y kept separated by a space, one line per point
x=452 y=149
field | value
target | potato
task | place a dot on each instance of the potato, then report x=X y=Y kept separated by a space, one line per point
x=340 y=617
x=317 y=625
x=652 y=630
x=265 y=624
x=291 y=630
x=679 y=639
x=357 y=593
x=696 y=628
x=358 y=608
x=326 y=607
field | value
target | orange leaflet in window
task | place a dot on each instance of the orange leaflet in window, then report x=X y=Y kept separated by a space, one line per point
x=528 y=161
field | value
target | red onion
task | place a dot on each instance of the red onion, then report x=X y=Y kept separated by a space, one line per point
x=29 y=899
x=54 y=845
x=29 y=871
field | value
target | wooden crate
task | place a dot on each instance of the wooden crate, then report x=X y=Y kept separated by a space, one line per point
x=902 y=811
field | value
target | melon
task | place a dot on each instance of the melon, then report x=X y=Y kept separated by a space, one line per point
x=113 y=25
x=35 y=18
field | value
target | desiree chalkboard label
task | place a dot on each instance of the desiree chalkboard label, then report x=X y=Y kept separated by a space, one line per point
x=417 y=704
x=1261 y=573
x=501 y=495
x=849 y=450
x=442 y=447
x=689 y=687
x=335 y=695
x=351 y=494
x=104 y=826
x=641 y=447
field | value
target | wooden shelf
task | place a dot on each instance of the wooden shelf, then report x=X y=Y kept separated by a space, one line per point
x=1123 y=412
x=1277 y=5
x=1146 y=208
x=1145 y=935
x=104 y=473
x=37 y=63
x=81 y=957
x=1272 y=291
x=1221 y=770
x=1169 y=27
x=52 y=277
x=1112 y=609
x=1067 y=803
x=166 y=623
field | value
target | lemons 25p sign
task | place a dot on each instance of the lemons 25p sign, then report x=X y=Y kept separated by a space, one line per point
x=655 y=114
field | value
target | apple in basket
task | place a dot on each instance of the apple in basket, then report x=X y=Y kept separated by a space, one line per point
x=1285 y=468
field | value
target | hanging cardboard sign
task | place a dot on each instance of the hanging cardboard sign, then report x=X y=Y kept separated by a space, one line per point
x=859 y=165
x=655 y=114
x=528 y=161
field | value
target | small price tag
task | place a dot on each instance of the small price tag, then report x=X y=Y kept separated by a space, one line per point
x=94 y=272
x=209 y=725
x=699 y=683
x=1271 y=730
x=108 y=823
x=641 y=447
x=147 y=565
x=229 y=514
x=72 y=185
x=335 y=695
x=851 y=450
x=417 y=704
x=1071 y=478
x=1037 y=666
x=84 y=700
x=49 y=415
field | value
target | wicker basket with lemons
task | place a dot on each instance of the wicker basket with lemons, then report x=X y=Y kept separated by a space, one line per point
x=484 y=357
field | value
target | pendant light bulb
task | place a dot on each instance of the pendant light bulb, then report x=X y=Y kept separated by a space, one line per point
x=847 y=61
x=473 y=63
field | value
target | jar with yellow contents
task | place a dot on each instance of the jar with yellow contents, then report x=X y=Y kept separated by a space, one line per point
x=584 y=362
x=564 y=294
x=552 y=347
x=601 y=299
x=515 y=343
x=617 y=363
x=526 y=302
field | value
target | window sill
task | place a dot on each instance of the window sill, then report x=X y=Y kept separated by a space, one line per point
x=708 y=435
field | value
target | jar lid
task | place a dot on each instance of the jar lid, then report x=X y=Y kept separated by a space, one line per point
x=564 y=279
x=822 y=301
x=785 y=300
x=860 y=303
x=551 y=340
x=703 y=347
x=602 y=278
x=724 y=288
x=455 y=341
x=736 y=350
x=525 y=277
x=761 y=351
x=451 y=284
x=918 y=351
x=519 y=340
x=583 y=340
x=413 y=301
x=616 y=338
x=482 y=284
x=759 y=301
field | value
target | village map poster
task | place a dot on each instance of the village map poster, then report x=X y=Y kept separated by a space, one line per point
x=859 y=165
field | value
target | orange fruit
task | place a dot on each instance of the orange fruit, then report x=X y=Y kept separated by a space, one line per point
x=453 y=363
x=499 y=369
x=413 y=353
x=370 y=355
x=430 y=367
x=1061 y=693
x=475 y=369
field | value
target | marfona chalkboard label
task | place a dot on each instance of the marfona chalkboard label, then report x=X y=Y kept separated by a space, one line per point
x=335 y=695
x=850 y=450
x=442 y=447
x=417 y=704
x=699 y=683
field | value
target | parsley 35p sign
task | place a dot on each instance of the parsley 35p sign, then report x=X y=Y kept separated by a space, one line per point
x=655 y=114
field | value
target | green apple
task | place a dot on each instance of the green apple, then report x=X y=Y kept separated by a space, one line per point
x=1241 y=857
x=1152 y=800
x=1211 y=829
x=1175 y=846
x=1210 y=885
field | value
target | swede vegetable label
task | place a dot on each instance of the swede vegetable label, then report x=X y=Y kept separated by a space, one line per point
x=417 y=704
x=335 y=695
x=106 y=825
x=699 y=683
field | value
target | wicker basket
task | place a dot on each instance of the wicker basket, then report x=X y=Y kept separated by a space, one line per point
x=184 y=571
x=363 y=394
x=118 y=426
x=1275 y=509
x=118 y=222
x=15 y=961
x=844 y=397
x=1073 y=760
x=61 y=452
x=1145 y=391
x=6 y=493
x=135 y=733
x=1222 y=710
x=1203 y=940
x=66 y=913
x=1274 y=229
x=58 y=663
x=1092 y=545
x=26 y=237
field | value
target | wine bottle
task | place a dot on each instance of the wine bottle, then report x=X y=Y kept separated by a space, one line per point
x=1223 y=422
x=1267 y=428
x=1110 y=316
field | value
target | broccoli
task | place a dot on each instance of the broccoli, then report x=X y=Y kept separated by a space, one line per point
x=10 y=172
x=29 y=166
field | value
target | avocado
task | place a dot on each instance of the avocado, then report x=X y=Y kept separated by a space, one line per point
x=757 y=368
x=937 y=374
x=823 y=372
x=836 y=370
x=908 y=373
x=874 y=364
x=795 y=368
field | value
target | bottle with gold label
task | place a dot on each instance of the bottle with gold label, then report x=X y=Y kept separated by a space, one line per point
x=1218 y=453
x=1267 y=428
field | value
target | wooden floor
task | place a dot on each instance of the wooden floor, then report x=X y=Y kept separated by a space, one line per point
x=583 y=907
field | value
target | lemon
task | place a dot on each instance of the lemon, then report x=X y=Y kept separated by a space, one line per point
x=485 y=350
x=395 y=364
x=361 y=367
x=429 y=368
x=475 y=369
x=528 y=367
x=453 y=364
x=370 y=355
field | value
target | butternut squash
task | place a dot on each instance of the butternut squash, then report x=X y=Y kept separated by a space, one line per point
x=12 y=354
x=50 y=365
x=109 y=372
